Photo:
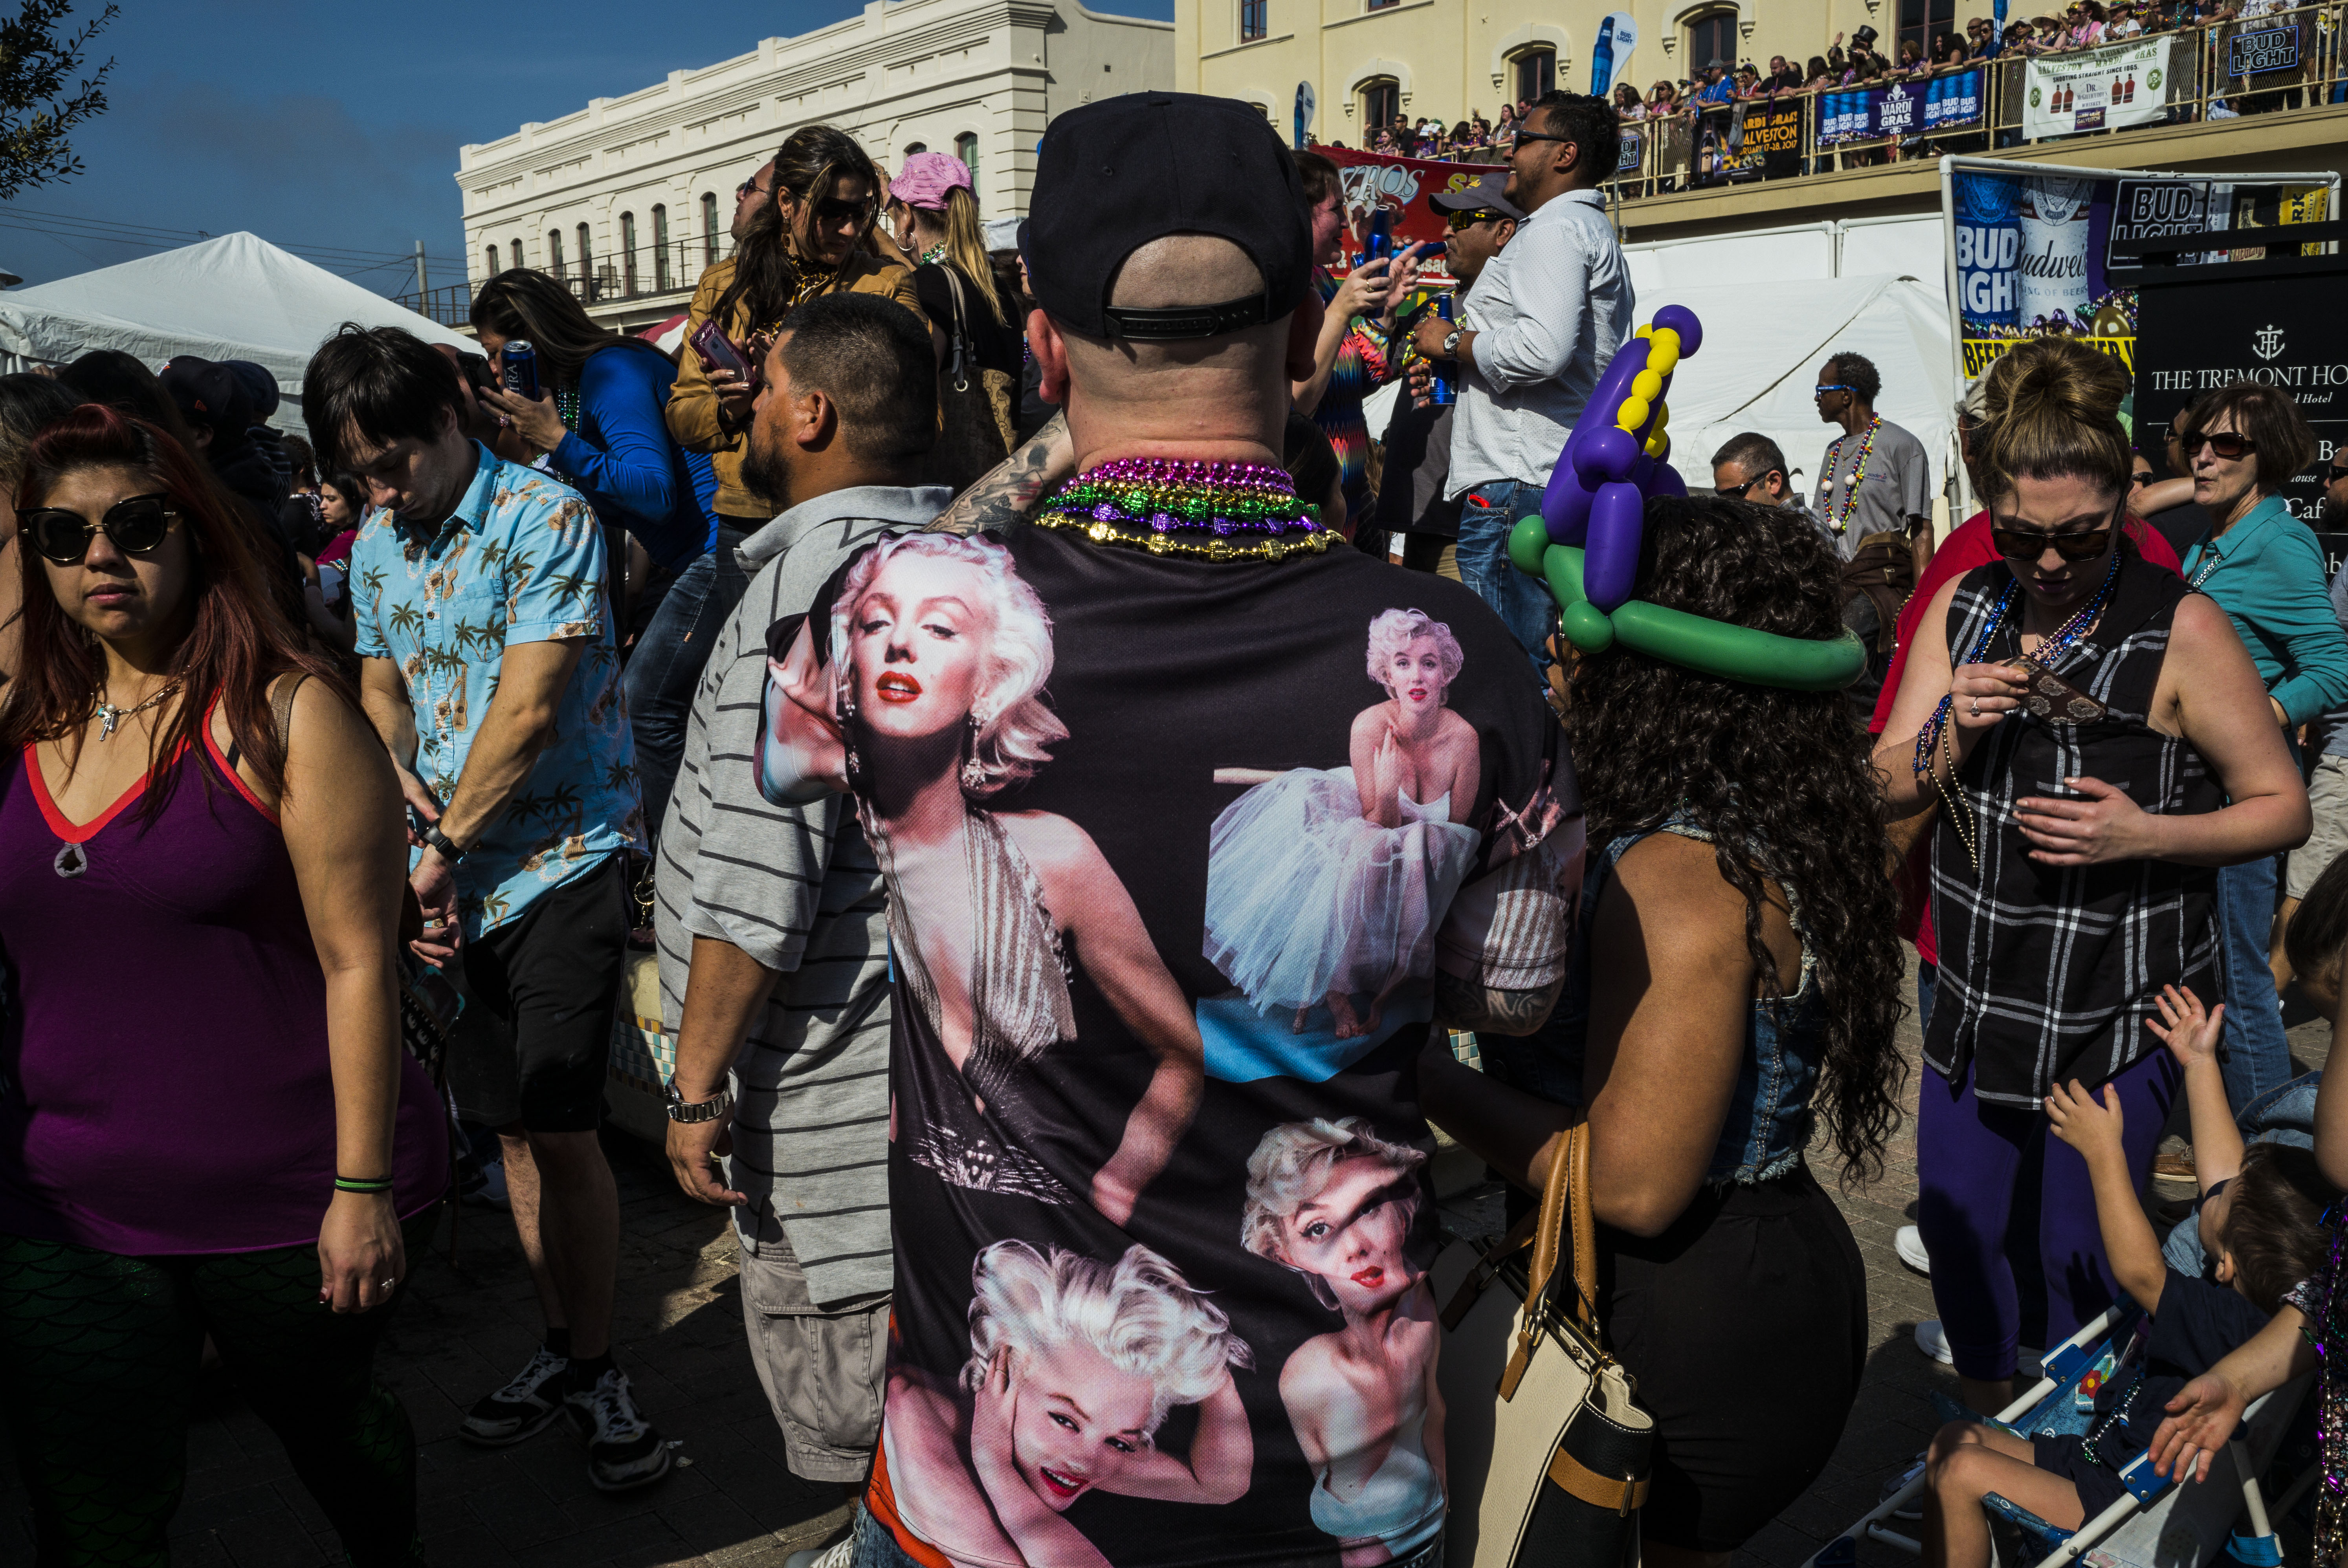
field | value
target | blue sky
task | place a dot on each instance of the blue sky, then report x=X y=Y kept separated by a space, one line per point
x=332 y=124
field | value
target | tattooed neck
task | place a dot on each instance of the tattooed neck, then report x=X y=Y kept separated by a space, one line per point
x=1010 y=490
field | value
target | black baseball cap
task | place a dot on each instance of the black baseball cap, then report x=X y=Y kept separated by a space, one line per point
x=1112 y=176
x=1489 y=194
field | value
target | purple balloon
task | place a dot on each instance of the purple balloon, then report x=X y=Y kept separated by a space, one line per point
x=1607 y=454
x=1611 y=564
x=1682 y=320
x=1667 y=481
x=1565 y=505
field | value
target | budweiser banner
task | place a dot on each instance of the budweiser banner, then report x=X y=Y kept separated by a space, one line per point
x=2095 y=90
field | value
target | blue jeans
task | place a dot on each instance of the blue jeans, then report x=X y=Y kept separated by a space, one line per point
x=665 y=667
x=2257 y=1055
x=1487 y=513
x=1928 y=979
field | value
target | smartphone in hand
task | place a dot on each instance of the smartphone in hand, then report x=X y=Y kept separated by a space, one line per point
x=718 y=353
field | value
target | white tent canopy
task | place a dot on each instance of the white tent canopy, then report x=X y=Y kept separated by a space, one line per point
x=236 y=297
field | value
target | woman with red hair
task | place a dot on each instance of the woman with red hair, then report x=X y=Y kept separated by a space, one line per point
x=207 y=1124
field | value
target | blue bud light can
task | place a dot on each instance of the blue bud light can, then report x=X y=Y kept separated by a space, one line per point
x=520 y=362
x=1443 y=389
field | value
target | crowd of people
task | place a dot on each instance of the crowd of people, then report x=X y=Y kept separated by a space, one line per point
x=1076 y=781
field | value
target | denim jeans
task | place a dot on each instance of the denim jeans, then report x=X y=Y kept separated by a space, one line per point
x=1928 y=979
x=1487 y=513
x=2258 y=1057
x=665 y=667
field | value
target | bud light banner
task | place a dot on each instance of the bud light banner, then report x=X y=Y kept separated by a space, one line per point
x=2095 y=90
x=1901 y=108
x=2033 y=247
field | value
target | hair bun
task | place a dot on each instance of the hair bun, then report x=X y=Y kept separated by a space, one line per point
x=2052 y=406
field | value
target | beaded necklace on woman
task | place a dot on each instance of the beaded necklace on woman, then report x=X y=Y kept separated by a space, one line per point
x=1248 y=510
x=1936 y=728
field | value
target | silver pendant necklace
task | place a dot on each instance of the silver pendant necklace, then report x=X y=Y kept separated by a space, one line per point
x=108 y=715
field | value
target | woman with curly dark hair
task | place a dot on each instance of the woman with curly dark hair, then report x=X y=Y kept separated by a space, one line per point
x=2099 y=743
x=1736 y=983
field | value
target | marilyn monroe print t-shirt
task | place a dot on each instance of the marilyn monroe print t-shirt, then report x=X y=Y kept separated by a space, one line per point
x=1175 y=850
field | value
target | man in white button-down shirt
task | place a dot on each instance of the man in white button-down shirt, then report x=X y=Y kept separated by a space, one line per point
x=1545 y=317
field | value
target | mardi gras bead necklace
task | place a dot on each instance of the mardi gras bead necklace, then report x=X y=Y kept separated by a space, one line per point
x=1858 y=474
x=2332 y=1396
x=1936 y=728
x=1247 y=508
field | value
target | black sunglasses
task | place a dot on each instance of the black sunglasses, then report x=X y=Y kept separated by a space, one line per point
x=1525 y=136
x=2141 y=476
x=1736 y=492
x=2334 y=474
x=2225 y=443
x=747 y=186
x=838 y=210
x=136 y=526
x=2029 y=544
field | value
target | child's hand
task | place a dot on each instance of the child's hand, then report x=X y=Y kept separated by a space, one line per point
x=2192 y=1033
x=2080 y=1121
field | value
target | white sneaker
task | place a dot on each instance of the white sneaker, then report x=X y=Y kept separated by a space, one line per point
x=1910 y=1243
x=1933 y=1343
x=838 y=1554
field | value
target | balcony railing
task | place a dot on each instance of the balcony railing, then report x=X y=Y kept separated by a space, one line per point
x=451 y=306
x=646 y=273
x=2285 y=60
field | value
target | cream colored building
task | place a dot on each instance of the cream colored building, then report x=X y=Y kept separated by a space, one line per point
x=1445 y=59
x=630 y=197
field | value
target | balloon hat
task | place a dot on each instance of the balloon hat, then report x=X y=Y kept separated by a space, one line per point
x=1585 y=544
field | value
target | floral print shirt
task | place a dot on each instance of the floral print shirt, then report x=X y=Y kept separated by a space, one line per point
x=521 y=559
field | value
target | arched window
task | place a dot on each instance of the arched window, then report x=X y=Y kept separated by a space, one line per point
x=966 y=148
x=708 y=226
x=554 y=251
x=1712 y=36
x=628 y=254
x=1381 y=103
x=1921 y=21
x=1534 y=72
x=660 y=248
x=1255 y=20
x=515 y=250
x=586 y=259
x=493 y=261
x=913 y=147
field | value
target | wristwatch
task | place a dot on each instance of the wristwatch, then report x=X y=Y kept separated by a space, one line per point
x=1451 y=343
x=708 y=1109
x=448 y=847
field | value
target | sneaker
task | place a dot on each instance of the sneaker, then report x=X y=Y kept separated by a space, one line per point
x=1910 y=1243
x=523 y=1406
x=839 y=1554
x=622 y=1449
x=1933 y=1343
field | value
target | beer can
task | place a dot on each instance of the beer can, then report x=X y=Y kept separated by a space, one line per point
x=520 y=362
x=1444 y=388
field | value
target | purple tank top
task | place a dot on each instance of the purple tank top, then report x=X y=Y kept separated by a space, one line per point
x=165 y=1086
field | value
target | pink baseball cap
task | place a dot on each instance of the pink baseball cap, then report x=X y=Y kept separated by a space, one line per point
x=926 y=178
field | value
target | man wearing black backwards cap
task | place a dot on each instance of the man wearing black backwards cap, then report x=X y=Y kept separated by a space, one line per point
x=1544 y=319
x=1190 y=826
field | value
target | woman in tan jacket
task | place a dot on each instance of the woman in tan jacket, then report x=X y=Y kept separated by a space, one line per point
x=809 y=241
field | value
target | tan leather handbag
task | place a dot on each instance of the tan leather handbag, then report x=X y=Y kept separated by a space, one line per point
x=1547 y=1449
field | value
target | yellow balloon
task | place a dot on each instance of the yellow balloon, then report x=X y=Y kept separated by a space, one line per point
x=1658 y=444
x=1644 y=331
x=1666 y=338
x=1647 y=383
x=1663 y=360
x=1633 y=413
x=1663 y=415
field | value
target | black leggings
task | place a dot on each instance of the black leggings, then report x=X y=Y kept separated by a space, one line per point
x=99 y=1356
x=1746 y=1325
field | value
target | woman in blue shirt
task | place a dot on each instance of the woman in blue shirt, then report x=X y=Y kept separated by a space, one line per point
x=2264 y=569
x=602 y=427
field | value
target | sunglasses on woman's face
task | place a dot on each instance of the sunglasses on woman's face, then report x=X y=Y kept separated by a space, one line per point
x=833 y=210
x=2141 y=476
x=136 y=526
x=2029 y=544
x=2225 y=443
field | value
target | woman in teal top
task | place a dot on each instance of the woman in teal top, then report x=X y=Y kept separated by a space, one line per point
x=2264 y=570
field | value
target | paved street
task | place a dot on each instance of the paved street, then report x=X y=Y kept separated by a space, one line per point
x=732 y=1503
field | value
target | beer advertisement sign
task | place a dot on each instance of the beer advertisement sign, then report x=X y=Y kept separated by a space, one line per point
x=2094 y=90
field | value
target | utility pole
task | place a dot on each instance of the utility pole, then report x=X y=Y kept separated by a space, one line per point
x=420 y=278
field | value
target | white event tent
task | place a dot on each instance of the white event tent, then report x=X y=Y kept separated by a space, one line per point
x=235 y=297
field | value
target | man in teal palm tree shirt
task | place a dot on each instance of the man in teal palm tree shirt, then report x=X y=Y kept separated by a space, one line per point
x=490 y=674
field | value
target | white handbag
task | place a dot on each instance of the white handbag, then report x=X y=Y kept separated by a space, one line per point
x=1547 y=1450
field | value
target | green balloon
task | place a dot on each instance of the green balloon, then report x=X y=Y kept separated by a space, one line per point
x=1587 y=627
x=1739 y=652
x=1561 y=570
x=1527 y=540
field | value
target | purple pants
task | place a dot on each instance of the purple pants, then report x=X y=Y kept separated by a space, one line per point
x=2009 y=1216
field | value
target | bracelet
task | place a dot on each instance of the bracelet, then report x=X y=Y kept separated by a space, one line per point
x=367 y=1184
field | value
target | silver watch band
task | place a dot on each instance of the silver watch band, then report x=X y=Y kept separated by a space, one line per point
x=708 y=1109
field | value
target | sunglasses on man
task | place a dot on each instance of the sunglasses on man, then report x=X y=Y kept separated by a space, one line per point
x=136 y=526
x=1736 y=492
x=2334 y=474
x=2225 y=443
x=1456 y=221
x=747 y=186
x=1831 y=386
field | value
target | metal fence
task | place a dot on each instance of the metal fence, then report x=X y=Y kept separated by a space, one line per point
x=2283 y=61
